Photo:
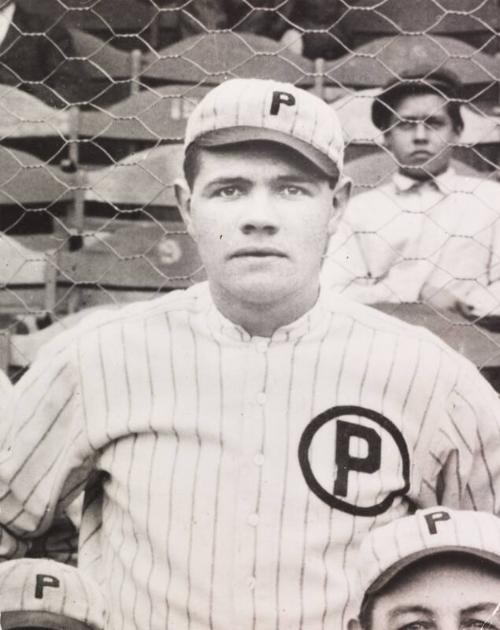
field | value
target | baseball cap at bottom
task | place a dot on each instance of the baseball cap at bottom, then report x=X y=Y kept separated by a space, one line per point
x=389 y=549
x=245 y=110
x=41 y=593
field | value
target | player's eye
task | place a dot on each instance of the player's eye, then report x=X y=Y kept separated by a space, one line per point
x=416 y=625
x=291 y=190
x=478 y=624
x=228 y=192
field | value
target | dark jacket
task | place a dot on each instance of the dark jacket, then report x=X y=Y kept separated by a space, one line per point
x=34 y=58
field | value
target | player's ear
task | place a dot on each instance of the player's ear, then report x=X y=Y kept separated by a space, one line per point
x=386 y=141
x=340 y=199
x=183 y=198
x=353 y=624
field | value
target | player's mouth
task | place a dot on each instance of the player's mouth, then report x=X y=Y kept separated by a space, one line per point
x=258 y=252
x=421 y=154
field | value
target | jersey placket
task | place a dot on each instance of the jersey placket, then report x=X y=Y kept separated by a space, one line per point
x=250 y=477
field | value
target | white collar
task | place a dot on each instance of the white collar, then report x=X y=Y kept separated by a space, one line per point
x=443 y=182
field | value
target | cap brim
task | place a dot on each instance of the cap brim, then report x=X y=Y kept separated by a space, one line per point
x=10 y=620
x=235 y=135
x=397 y=567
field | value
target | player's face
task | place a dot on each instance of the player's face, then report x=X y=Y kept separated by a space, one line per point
x=444 y=596
x=261 y=219
x=421 y=135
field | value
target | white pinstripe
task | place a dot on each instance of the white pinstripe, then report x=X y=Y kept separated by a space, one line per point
x=205 y=519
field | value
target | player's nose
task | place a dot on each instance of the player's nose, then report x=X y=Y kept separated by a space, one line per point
x=260 y=215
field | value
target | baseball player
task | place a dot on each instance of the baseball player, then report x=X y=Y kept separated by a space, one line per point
x=48 y=595
x=438 y=569
x=237 y=439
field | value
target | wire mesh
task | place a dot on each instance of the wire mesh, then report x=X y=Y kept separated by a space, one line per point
x=94 y=96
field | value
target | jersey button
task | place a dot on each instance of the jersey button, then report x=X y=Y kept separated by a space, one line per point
x=262 y=346
x=261 y=398
x=251 y=583
x=258 y=460
x=253 y=520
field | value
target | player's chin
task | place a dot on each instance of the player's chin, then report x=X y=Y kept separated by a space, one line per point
x=264 y=288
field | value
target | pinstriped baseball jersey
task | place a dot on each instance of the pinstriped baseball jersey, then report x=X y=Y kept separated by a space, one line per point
x=230 y=478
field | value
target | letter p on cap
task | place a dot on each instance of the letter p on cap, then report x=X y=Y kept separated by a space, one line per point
x=281 y=98
x=435 y=517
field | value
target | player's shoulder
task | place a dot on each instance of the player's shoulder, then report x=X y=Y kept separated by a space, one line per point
x=364 y=314
x=108 y=318
x=380 y=322
x=181 y=300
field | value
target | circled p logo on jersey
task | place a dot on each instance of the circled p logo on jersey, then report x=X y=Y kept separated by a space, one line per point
x=355 y=459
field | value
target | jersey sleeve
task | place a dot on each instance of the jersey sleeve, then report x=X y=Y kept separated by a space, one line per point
x=45 y=455
x=465 y=470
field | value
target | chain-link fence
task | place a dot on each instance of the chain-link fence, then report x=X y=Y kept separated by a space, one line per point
x=94 y=95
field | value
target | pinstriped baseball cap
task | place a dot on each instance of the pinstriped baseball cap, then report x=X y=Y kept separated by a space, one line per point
x=245 y=110
x=40 y=593
x=390 y=548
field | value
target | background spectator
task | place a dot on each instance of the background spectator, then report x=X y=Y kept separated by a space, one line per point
x=428 y=233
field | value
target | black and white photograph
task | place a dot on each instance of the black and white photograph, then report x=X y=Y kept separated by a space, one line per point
x=249 y=315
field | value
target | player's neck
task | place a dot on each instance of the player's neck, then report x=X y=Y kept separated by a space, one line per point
x=262 y=319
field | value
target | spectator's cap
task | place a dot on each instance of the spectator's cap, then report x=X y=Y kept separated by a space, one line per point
x=420 y=80
x=389 y=549
x=40 y=593
x=244 y=110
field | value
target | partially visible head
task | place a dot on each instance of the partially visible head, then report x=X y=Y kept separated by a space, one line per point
x=448 y=591
x=437 y=569
x=44 y=594
x=421 y=120
x=263 y=187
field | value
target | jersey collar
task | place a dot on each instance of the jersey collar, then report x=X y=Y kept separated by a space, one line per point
x=222 y=327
